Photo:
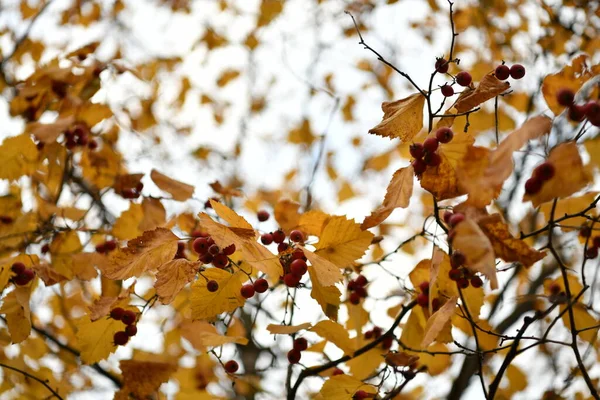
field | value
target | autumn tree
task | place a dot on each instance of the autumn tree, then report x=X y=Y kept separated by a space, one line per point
x=205 y=195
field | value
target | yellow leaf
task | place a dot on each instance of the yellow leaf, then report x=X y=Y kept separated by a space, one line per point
x=401 y=118
x=399 y=192
x=342 y=241
x=63 y=247
x=336 y=334
x=328 y=297
x=312 y=222
x=287 y=329
x=15 y=234
x=142 y=379
x=437 y=321
x=269 y=9
x=227 y=298
x=348 y=107
x=230 y=216
x=101 y=167
x=126 y=226
x=286 y=214
x=146 y=252
x=477 y=248
x=15 y=307
x=570 y=77
x=400 y=359
x=517 y=379
x=363 y=366
x=227 y=76
x=173 y=276
x=19 y=157
x=325 y=272
x=435 y=363
x=95 y=339
x=179 y=190
x=346 y=192
x=343 y=387
x=441 y=181
x=583 y=320
x=201 y=335
x=154 y=214
x=570 y=175
x=29 y=260
x=302 y=134
x=93 y=113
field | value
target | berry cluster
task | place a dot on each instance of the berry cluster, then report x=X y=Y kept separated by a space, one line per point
x=460 y=274
x=23 y=275
x=294 y=267
x=278 y=237
x=376 y=333
x=78 y=135
x=248 y=290
x=129 y=318
x=210 y=252
x=357 y=290
x=579 y=112
x=105 y=247
x=541 y=174
x=517 y=71
x=423 y=297
x=293 y=356
x=425 y=154
x=453 y=219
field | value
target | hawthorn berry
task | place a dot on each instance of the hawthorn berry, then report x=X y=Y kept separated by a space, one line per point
x=18 y=267
x=214 y=249
x=360 y=395
x=447 y=216
x=281 y=247
x=476 y=282
x=294 y=356
x=444 y=135
x=422 y=299
x=117 y=313
x=457 y=259
x=441 y=65
x=447 y=90
x=131 y=330
x=296 y=236
x=554 y=288
x=206 y=258
x=369 y=334
x=247 y=291
x=121 y=338
x=592 y=109
x=300 y=344
x=220 y=261
x=517 y=71
x=337 y=371
x=92 y=144
x=435 y=304
x=424 y=286
x=576 y=113
x=45 y=248
x=128 y=317
x=565 y=97
x=110 y=245
x=432 y=159
x=231 y=366
x=387 y=342
x=261 y=285
x=377 y=331
x=212 y=286
x=463 y=283
x=352 y=285
x=544 y=171
x=502 y=72
x=291 y=280
x=533 y=185
x=596 y=241
x=585 y=231
x=24 y=277
x=361 y=280
x=456 y=219
x=263 y=215
x=419 y=166
x=361 y=291
x=354 y=298
x=416 y=150
x=298 y=254
x=591 y=252
x=298 y=267
x=431 y=144
x=200 y=245
x=266 y=238
x=229 y=250
x=278 y=236
x=463 y=78
x=455 y=274
x=100 y=248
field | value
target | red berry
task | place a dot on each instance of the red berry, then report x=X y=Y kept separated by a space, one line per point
x=424 y=286
x=121 y=338
x=92 y=144
x=576 y=113
x=416 y=150
x=45 y=248
x=463 y=283
x=300 y=344
x=298 y=267
x=354 y=298
x=387 y=342
x=554 y=288
x=565 y=97
x=128 y=317
x=5 y=219
x=229 y=250
x=261 y=285
x=419 y=166
x=337 y=371
x=298 y=254
x=457 y=259
x=220 y=261
x=432 y=159
x=360 y=395
x=444 y=135
x=455 y=274
x=209 y=241
x=100 y=248
x=431 y=144
x=131 y=330
x=463 y=78
x=592 y=109
x=231 y=366
x=585 y=231
x=544 y=171
x=517 y=71
x=212 y=286
x=456 y=219
x=435 y=304
x=214 y=249
x=368 y=334
x=361 y=291
x=377 y=331
x=447 y=216
x=502 y=72
x=247 y=291
x=293 y=356
x=596 y=241
x=447 y=90
x=278 y=236
x=281 y=247
x=422 y=299
x=266 y=238
x=361 y=280
x=24 y=277
x=533 y=185
x=200 y=245
x=441 y=65
x=291 y=280
x=591 y=252
x=476 y=282
x=352 y=285
x=117 y=313
x=207 y=258
x=296 y=236
x=110 y=245
x=18 y=267
x=263 y=215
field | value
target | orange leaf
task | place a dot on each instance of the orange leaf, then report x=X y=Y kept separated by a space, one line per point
x=226 y=298
x=437 y=321
x=142 y=379
x=287 y=329
x=477 y=248
x=15 y=307
x=173 y=276
x=401 y=118
x=342 y=241
x=179 y=190
x=286 y=214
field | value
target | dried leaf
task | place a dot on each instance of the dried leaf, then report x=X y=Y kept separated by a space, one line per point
x=15 y=307
x=401 y=118
x=142 y=379
x=173 y=276
x=342 y=241
x=437 y=321
x=328 y=297
x=19 y=157
x=325 y=272
x=226 y=298
x=343 y=387
x=478 y=249
x=179 y=190
x=336 y=334
x=287 y=329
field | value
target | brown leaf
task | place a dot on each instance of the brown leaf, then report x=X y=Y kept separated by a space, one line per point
x=179 y=190
x=437 y=321
x=173 y=276
x=48 y=133
x=477 y=248
x=286 y=214
x=401 y=118
x=399 y=192
x=142 y=379
x=441 y=181
x=400 y=359
x=287 y=329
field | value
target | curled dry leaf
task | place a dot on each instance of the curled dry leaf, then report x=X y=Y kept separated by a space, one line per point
x=437 y=321
x=173 y=276
x=179 y=190
x=142 y=379
x=478 y=249
x=402 y=119
x=287 y=329
x=400 y=359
